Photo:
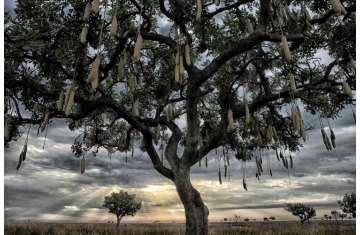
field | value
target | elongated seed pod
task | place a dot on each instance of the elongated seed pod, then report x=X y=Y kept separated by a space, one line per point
x=177 y=65
x=271 y=174
x=206 y=162
x=293 y=116
x=291 y=162
x=283 y=161
x=326 y=140
x=259 y=139
x=24 y=152
x=292 y=83
x=333 y=138
x=225 y=171
x=44 y=122
x=138 y=46
x=277 y=155
x=82 y=166
x=244 y=184
x=199 y=6
x=181 y=65
x=187 y=54
x=70 y=103
x=60 y=101
x=19 y=162
x=269 y=133
x=8 y=126
x=120 y=67
x=95 y=6
x=275 y=135
x=303 y=131
x=231 y=122
x=66 y=99
x=83 y=35
x=285 y=49
x=343 y=10
x=132 y=83
x=93 y=77
x=217 y=2
x=336 y=6
x=249 y=26
x=87 y=11
x=114 y=26
x=135 y=108
x=247 y=114
x=219 y=175
x=347 y=89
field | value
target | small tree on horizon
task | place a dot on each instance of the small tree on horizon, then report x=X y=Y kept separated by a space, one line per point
x=348 y=204
x=272 y=218
x=335 y=214
x=121 y=204
x=342 y=216
x=304 y=212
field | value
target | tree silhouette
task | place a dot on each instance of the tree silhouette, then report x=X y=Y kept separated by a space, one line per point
x=220 y=75
x=121 y=204
x=348 y=204
x=335 y=214
x=304 y=212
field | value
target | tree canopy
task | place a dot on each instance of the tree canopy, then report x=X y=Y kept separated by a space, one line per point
x=348 y=204
x=304 y=212
x=121 y=204
x=179 y=78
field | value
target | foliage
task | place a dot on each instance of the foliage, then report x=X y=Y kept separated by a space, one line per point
x=304 y=212
x=348 y=204
x=121 y=204
x=235 y=94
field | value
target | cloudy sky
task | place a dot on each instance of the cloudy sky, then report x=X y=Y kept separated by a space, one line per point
x=49 y=185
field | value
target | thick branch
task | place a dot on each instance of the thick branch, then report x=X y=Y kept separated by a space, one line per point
x=242 y=46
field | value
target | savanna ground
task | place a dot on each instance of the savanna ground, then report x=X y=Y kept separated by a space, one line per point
x=263 y=228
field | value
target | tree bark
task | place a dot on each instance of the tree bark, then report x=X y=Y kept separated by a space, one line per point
x=196 y=212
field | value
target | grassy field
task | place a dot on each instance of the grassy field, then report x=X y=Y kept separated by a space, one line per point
x=243 y=228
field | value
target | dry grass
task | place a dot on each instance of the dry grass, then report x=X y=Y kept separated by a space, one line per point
x=244 y=228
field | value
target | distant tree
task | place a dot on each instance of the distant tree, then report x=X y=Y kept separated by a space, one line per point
x=326 y=217
x=304 y=212
x=272 y=218
x=266 y=219
x=236 y=218
x=225 y=219
x=121 y=204
x=342 y=216
x=246 y=219
x=348 y=204
x=330 y=218
x=335 y=214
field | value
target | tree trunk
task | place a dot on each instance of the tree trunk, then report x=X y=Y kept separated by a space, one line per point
x=196 y=212
x=118 y=219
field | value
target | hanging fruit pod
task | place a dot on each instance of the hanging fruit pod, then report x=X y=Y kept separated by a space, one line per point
x=139 y=44
x=114 y=26
x=285 y=50
x=231 y=122
x=95 y=6
x=93 y=77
